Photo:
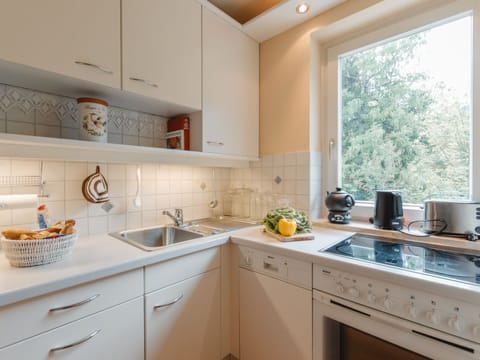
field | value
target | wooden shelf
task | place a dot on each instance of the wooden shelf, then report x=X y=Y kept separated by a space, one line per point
x=36 y=147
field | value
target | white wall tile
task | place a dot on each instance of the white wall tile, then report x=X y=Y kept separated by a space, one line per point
x=290 y=159
x=73 y=190
x=149 y=202
x=53 y=171
x=163 y=201
x=149 y=172
x=75 y=209
x=97 y=225
x=134 y=220
x=278 y=160
x=117 y=188
x=149 y=218
x=175 y=200
x=5 y=167
x=117 y=222
x=5 y=217
x=148 y=187
x=116 y=172
x=24 y=216
x=55 y=190
x=76 y=170
x=25 y=168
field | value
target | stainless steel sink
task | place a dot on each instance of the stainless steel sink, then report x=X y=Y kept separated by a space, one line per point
x=217 y=225
x=155 y=238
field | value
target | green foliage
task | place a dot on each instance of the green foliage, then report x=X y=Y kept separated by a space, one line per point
x=399 y=129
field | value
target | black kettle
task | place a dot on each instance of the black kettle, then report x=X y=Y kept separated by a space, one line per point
x=339 y=204
x=388 y=213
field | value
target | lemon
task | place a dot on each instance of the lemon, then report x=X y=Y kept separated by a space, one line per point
x=287 y=227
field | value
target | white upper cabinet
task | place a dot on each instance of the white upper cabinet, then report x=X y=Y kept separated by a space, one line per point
x=162 y=50
x=80 y=39
x=230 y=89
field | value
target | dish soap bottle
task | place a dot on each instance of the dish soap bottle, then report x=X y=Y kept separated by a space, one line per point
x=42 y=216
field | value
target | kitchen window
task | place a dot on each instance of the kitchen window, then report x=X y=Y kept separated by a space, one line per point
x=401 y=108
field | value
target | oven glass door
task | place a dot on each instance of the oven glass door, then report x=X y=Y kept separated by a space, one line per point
x=358 y=345
x=344 y=330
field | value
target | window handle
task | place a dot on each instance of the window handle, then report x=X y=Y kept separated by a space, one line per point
x=331 y=146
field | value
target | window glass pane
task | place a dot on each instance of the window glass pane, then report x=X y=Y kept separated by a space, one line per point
x=405 y=110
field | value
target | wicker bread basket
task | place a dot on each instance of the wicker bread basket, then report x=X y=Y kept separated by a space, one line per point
x=24 y=253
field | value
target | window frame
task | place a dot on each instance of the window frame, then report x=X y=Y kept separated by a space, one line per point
x=404 y=26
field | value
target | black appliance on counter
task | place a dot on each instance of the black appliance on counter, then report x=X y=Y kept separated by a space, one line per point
x=388 y=212
x=339 y=204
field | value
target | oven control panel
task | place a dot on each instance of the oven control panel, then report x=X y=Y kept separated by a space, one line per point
x=452 y=316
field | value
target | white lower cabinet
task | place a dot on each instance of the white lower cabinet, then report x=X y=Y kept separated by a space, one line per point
x=275 y=318
x=182 y=321
x=115 y=333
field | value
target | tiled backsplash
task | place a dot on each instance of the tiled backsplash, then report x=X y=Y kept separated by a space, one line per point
x=162 y=187
x=289 y=178
x=29 y=112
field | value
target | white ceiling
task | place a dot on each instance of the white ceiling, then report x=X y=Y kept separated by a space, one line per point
x=274 y=20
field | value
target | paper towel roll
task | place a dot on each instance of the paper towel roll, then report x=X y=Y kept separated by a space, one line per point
x=18 y=201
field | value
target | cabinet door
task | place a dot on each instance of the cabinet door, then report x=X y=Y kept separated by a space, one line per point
x=230 y=89
x=182 y=321
x=115 y=333
x=162 y=50
x=80 y=39
x=282 y=330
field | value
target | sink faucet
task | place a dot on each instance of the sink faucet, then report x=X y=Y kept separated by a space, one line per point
x=177 y=218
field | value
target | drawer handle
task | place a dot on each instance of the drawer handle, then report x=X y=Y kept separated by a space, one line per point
x=269 y=266
x=80 y=303
x=177 y=299
x=78 y=342
x=98 y=67
x=219 y=143
x=146 y=82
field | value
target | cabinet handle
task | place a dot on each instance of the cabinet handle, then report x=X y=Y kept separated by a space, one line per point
x=177 y=299
x=219 y=143
x=78 y=342
x=98 y=67
x=80 y=303
x=146 y=82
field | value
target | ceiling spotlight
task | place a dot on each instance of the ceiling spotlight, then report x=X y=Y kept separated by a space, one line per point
x=302 y=8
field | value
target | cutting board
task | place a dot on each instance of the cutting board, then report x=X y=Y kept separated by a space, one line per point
x=296 y=237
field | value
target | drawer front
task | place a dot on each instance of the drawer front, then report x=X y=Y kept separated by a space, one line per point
x=115 y=333
x=31 y=317
x=182 y=321
x=169 y=272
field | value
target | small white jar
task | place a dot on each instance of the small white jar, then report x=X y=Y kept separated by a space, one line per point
x=93 y=119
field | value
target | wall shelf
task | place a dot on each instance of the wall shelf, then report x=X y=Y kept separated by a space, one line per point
x=43 y=148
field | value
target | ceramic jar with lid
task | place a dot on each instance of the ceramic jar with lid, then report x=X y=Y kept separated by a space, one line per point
x=93 y=119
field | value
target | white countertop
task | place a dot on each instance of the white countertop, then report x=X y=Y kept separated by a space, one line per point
x=95 y=257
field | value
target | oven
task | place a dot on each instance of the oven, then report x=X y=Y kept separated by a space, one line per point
x=372 y=305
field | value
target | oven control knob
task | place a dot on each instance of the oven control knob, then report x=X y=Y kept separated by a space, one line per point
x=476 y=330
x=340 y=289
x=432 y=317
x=412 y=310
x=455 y=323
x=371 y=298
x=354 y=292
x=248 y=260
x=387 y=303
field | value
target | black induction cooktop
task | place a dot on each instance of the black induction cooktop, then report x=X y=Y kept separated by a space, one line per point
x=416 y=257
